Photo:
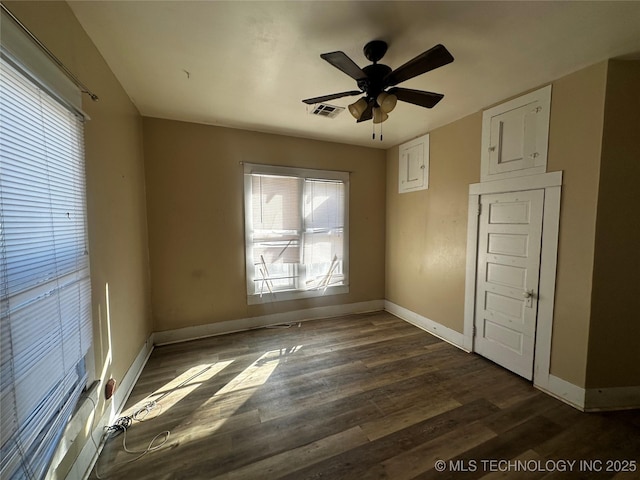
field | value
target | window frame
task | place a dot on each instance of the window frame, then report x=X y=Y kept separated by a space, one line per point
x=256 y=298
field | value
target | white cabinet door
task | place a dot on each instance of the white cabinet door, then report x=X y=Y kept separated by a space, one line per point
x=513 y=140
x=515 y=137
x=509 y=241
x=413 y=171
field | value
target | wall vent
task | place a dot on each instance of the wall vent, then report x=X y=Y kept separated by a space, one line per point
x=326 y=110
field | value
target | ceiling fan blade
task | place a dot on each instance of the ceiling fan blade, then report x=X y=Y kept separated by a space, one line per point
x=368 y=113
x=431 y=59
x=326 y=98
x=345 y=64
x=417 y=97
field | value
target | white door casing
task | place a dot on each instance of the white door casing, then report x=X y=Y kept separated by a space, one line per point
x=510 y=229
x=551 y=184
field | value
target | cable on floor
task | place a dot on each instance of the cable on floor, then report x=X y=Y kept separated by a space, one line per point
x=283 y=325
x=121 y=425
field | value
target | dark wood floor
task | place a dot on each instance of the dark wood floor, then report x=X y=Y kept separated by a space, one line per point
x=359 y=397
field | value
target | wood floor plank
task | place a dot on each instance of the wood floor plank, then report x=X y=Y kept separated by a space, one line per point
x=381 y=427
x=420 y=459
x=295 y=459
x=360 y=397
x=367 y=461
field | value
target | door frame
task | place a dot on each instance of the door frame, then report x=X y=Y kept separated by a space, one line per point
x=551 y=183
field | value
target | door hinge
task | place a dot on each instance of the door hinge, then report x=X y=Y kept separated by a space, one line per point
x=475 y=330
x=479 y=209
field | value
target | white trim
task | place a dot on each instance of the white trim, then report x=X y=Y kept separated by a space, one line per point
x=131 y=377
x=241 y=324
x=470 y=277
x=613 y=398
x=82 y=466
x=284 y=295
x=551 y=183
x=528 y=182
x=547 y=286
x=563 y=390
x=434 y=328
x=285 y=171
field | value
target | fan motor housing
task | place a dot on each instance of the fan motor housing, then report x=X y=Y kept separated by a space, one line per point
x=374 y=83
x=375 y=50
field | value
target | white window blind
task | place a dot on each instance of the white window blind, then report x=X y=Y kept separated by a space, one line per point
x=44 y=272
x=296 y=232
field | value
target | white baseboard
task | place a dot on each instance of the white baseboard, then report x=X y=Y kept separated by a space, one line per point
x=456 y=339
x=563 y=390
x=615 y=398
x=241 y=324
x=83 y=465
x=592 y=399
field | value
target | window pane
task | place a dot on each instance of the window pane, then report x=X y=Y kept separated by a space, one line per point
x=276 y=204
x=276 y=214
x=323 y=237
x=323 y=205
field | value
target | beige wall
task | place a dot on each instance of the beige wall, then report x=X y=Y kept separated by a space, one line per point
x=614 y=358
x=427 y=230
x=115 y=192
x=196 y=224
x=575 y=137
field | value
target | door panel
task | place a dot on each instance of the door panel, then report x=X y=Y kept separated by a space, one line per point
x=506 y=275
x=509 y=239
x=512 y=244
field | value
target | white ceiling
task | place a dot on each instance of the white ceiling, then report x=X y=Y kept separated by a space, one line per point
x=250 y=64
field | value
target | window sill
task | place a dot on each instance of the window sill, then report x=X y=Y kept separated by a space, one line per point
x=285 y=295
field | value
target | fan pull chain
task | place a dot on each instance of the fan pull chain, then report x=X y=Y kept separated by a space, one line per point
x=373 y=135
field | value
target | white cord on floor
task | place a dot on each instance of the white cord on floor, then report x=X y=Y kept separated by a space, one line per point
x=121 y=425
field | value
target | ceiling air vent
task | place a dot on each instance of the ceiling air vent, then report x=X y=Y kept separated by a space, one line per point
x=326 y=110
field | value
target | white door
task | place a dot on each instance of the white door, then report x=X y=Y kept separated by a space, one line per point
x=509 y=240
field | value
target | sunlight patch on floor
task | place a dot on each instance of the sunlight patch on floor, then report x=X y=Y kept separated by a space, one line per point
x=235 y=393
x=181 y=386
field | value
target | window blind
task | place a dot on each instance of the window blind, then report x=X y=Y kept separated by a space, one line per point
x=45 y=311
x=296 y=235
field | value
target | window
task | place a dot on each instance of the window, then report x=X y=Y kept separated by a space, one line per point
x=296 y=232
x=45 y=306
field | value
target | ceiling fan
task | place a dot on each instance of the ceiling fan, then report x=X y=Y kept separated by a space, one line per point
x=374 y=81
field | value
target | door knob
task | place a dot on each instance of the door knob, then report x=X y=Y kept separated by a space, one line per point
x=528 y=295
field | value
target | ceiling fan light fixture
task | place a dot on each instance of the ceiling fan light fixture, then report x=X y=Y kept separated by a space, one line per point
x=357 y=109
x=387 y=101
x=379 y=115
